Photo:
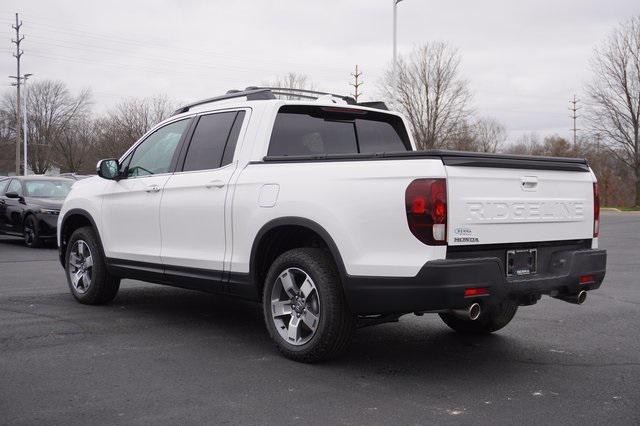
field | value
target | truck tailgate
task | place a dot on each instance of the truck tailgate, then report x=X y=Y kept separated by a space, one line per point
x=494 y=204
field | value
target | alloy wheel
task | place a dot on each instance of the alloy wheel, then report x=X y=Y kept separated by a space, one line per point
x=295 y=306
x=80 y=266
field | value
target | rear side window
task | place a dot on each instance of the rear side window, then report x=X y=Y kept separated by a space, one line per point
x=311 y=130
x=213 y=141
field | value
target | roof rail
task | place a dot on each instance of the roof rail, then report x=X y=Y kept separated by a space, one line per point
x=254 y=93
x=306 y=94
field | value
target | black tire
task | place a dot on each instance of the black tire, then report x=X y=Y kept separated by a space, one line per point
x=335 y=323
x=30 y=232
x=491 y=319
x=103 y=286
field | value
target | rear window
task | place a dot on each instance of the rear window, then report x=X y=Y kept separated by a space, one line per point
x=315 y=130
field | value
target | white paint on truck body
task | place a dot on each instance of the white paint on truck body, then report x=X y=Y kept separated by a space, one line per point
x=495 y=207
x=360 y=204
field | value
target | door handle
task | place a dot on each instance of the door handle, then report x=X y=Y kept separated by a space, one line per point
x=215 y=184
x=529 y=183
x=153 y=188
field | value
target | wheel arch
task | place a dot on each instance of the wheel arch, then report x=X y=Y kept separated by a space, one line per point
x=72 y=220
x=25 y=215
x=306 y=228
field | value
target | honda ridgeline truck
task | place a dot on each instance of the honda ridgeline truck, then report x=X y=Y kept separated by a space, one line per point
x=321 y=209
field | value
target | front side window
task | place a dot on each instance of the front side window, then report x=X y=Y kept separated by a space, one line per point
x=211 y=140
x=15 y=186
x=155 y=154
x=315 y=130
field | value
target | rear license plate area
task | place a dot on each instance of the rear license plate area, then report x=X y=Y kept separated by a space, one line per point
x=522 y=262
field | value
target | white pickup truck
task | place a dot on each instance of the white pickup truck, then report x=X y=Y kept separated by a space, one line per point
x=321 y=209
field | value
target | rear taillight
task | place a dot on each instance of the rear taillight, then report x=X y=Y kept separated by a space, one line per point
x=476 y=291
x=586 y=279
x=596 y=210
x=426 y=206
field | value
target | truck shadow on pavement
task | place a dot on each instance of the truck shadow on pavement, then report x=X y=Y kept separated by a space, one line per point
x=413 y=346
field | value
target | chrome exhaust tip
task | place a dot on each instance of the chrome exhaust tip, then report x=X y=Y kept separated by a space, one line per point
x=577 y=298
x=472 y=312
x=582 y=296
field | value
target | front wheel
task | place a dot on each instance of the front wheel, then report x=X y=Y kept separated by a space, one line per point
x=30 y=232
x=87 y=275
x=304 y=306
x=492 y=318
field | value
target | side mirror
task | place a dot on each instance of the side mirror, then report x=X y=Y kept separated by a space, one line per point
x=108 y=169
x=12 y=194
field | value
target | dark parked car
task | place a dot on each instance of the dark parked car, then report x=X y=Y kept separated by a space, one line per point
x=30 y=205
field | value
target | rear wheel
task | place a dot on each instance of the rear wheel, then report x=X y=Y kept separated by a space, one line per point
x=304 y=307
x=492 y=318
x=30 y=232
x=87 y=275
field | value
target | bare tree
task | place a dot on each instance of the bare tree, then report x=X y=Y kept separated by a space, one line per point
x=614 y=110
x=464 y=138
x=7 y=140
x=527 y=144
x=482 y=135
x=52 y=110
x=428 y=89
x=489 y=135
x=75 y=145
x=128 y=121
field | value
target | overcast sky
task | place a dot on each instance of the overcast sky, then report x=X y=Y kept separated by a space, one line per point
x=523 y=59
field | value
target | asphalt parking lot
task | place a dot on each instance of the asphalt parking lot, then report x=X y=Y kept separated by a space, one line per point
x=164 y=355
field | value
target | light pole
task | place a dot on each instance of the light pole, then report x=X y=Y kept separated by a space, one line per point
x=395 y=37
x=25 y=128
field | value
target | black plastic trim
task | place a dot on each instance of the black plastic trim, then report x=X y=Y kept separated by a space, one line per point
x=67 y=215
x=440 y=284
x=374 y=104
x=178 y=161
x=206 y=280
x=449 y=158
x=295 y=221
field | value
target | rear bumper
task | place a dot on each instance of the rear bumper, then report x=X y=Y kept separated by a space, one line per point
x=440 y=284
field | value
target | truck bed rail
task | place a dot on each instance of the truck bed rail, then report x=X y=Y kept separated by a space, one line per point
x=450 y=158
